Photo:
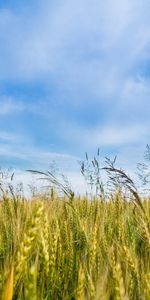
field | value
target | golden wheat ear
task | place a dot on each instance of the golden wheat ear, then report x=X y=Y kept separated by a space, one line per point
x=8 y=288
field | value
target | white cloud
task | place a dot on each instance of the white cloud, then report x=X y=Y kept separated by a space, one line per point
x=9 y=106
x=119 y=135
x=114 y=134
x=9 y=137
x=37 y=158
x=136 y=93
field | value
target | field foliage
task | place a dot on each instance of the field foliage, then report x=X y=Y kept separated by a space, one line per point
x=54 y=248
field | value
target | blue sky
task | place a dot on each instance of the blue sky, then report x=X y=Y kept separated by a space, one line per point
x=74 y=76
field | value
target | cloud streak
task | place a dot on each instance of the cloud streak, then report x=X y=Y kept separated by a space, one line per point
x=110 y=135
x=33 y=157
x=8 y=137
x=9 y=106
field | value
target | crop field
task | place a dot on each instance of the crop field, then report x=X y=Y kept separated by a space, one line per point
x=60 y=249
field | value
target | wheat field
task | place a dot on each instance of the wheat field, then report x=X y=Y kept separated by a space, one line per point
x=60 y=249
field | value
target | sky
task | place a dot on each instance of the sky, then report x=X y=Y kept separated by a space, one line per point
x=74 y=76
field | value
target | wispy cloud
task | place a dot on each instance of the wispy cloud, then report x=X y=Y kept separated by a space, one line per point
x=9 y=137
x=37 y=158
x=119 y=135
x=9 y=106
x=110 y=135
